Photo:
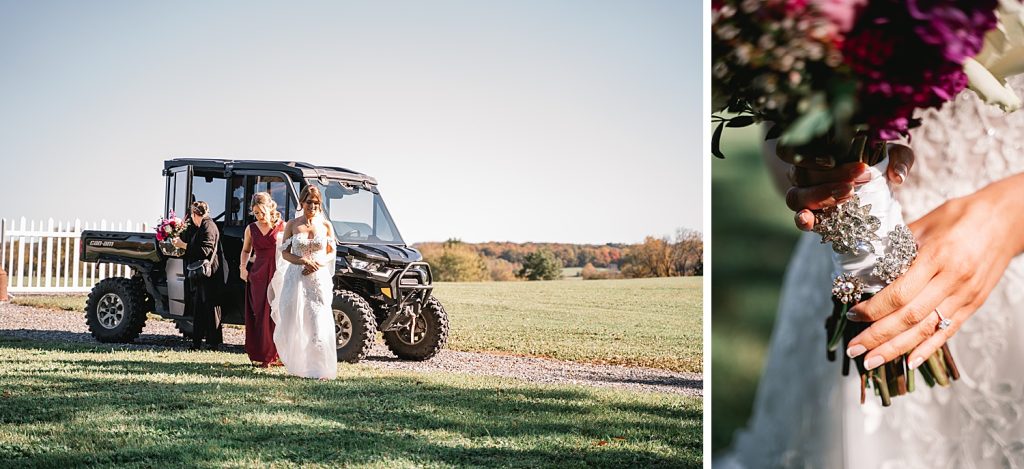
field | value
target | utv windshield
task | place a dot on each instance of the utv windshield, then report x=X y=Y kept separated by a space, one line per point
x=358 y=214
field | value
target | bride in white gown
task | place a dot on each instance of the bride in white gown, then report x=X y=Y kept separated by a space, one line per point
x=302 y=290
x=807 y=414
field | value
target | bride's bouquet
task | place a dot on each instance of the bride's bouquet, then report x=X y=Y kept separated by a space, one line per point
x=837 y=79
x=168 y=229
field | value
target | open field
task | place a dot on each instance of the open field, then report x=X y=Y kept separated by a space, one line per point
x=753 y=234
x=71 y=405
x=643 y=322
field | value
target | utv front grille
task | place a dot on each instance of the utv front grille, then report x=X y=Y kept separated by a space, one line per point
x=414 y=276
x=415 y=280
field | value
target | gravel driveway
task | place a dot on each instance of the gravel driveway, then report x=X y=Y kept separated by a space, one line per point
x=64 y=326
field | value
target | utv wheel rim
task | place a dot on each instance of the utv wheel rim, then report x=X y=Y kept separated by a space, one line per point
x=110 y=310
x=342 y=328
x=413 y=331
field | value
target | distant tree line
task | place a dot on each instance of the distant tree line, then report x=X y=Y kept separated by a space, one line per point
x=456 y=261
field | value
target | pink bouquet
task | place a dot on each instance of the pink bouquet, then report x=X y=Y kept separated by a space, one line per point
x=170 y=227
x=837 y=79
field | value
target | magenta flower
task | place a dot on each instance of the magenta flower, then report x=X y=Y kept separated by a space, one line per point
x=909 y=55
x=842 y=13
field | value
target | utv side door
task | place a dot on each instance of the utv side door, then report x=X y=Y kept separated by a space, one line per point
x=177 y=199
x=211 y=186
x=242 y=185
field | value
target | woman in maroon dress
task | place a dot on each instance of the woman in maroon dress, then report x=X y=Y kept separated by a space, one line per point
x=261 y=242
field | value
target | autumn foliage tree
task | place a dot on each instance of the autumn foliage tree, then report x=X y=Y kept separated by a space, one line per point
x=590 y=272
x=653 y=258
x=456 y=261
x=661 y=257
x=501 y=270
x=688 y=252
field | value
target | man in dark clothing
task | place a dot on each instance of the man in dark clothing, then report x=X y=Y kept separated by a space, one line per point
x=201 y=241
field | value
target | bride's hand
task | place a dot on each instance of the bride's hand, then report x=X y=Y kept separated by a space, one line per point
x=817 y=185
x=965 y=246
x=309 y=266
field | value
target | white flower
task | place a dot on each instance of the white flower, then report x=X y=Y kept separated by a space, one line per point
x=1002 y=56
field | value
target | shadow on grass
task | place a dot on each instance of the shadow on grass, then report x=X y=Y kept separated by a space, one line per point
x=666 y=381
x=144 y=341
x=72 y=407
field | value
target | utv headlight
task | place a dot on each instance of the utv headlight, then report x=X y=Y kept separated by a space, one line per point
x=364 y=264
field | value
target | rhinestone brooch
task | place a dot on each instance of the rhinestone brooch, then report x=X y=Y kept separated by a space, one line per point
x=847 y=288
x=850 y=227
x=900 y=253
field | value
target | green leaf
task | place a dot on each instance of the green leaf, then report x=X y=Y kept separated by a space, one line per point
x=740 y=121
x=774 y=132
x=716 y=140
x=812 y=124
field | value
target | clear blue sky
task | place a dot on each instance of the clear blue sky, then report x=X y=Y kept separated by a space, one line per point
x=564 y=121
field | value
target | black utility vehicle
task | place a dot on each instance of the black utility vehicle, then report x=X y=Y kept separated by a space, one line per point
x=380 y=283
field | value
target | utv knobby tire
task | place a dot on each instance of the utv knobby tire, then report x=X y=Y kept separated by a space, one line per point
x=434 y=337
x=355 y=326
x=115 y=310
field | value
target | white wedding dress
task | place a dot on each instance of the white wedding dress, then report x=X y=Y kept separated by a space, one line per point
x=300 y=306
x=807 y=415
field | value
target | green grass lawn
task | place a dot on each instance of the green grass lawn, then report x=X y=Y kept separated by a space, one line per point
x=753 y=236
x=68 y=405
x=640 y=322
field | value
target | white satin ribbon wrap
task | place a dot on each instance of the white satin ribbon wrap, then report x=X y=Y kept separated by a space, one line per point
x=878 y=194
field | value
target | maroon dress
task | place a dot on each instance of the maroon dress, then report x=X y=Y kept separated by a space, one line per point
x=259 y=328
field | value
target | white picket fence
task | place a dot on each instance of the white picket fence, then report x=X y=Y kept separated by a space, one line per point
x=44 y=257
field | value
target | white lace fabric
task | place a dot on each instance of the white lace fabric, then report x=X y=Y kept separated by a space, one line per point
x=807 y=415
x=300 y=306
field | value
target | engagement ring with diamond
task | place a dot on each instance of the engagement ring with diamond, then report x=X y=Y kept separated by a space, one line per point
x=943 y=322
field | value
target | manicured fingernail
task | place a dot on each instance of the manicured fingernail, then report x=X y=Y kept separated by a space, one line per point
x=825 y=161
x=873 y=362
x=901 y=172
x=851 y=315
x=805 y=218
x=915 y=362
x=863 y=178
x=855 y=351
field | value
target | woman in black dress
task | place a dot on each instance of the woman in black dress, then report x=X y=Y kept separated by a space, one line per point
x=202 y=292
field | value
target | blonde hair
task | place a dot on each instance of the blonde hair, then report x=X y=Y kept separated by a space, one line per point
x=263 y=199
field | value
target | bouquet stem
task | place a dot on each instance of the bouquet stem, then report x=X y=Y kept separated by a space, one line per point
x=872 y=247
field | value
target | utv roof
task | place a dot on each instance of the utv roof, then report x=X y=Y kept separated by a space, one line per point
x=295 y=168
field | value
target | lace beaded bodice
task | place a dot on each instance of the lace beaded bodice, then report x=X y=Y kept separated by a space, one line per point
x=304 y=246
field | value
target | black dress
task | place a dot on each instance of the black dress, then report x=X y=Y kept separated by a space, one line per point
x=202 y=295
